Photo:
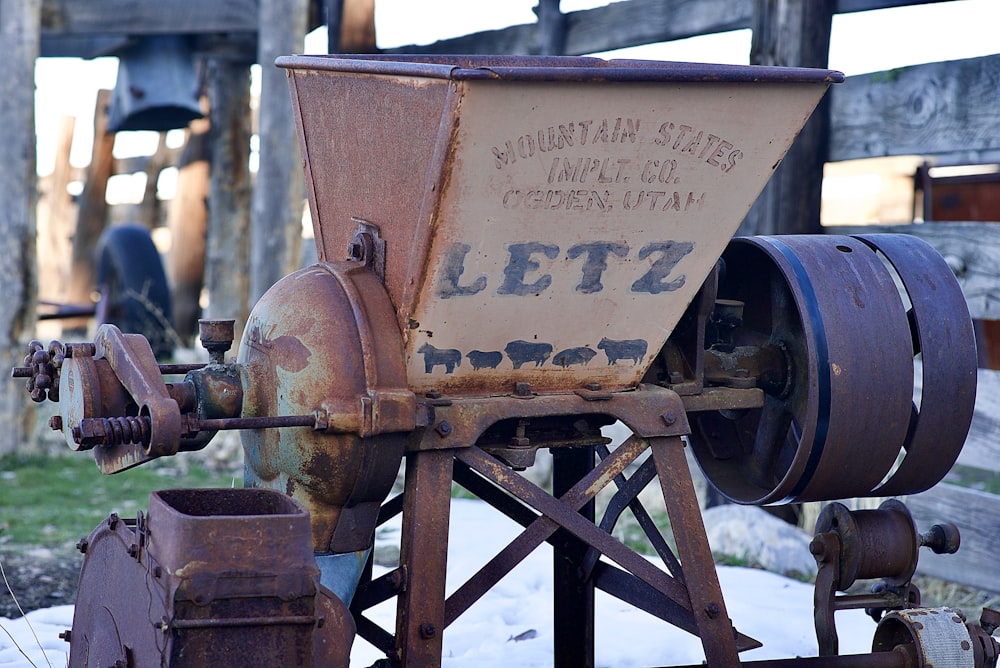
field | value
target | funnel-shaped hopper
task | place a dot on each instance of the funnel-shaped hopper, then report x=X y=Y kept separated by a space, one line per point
x=546 y=220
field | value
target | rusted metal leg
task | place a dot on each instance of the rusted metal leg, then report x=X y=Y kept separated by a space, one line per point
x=573 y=591
x=714 y=626
x=423 y=557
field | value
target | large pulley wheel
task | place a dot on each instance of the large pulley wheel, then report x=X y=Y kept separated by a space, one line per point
x=850 y=315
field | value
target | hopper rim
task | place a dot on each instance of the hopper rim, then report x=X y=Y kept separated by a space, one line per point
x=554 y=68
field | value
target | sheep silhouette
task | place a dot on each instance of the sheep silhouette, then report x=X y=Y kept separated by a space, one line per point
x=571 y=356
x=521 y=352
x=627 y=349
x=449 y=358
x=485 y=360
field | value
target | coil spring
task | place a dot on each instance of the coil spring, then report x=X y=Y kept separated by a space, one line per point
x=126 y=430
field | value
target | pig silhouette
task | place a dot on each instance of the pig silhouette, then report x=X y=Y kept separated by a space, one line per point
x=485 y=360
x=522 y=352
x=571 y=356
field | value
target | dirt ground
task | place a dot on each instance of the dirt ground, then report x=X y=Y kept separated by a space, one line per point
x=38 y=578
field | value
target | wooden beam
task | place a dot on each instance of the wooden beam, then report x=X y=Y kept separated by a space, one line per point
x=18 y=194
x=628 y=23
x=56 y=218
x=227 y=251
x=970 y=510
x=613 y=26
x=790 y=33
x=137 y=17
x=92 y=214
x=918 y=110
x=279 y=199
x=89 y=28
x=187 y=216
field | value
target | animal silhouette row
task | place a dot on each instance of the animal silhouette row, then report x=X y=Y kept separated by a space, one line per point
x=533 y=353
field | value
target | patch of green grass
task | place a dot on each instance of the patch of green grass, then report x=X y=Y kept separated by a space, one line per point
x=980 y=479
x=53 y=501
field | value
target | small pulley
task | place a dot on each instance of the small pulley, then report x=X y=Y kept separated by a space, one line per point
x=879 y=544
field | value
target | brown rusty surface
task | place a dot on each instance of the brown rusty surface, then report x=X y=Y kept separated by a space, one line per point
x=862 y=545
x=423 y=558
x=647 y=411
x=817 y=298
x=325 y=339
x=878 y=543
x=714 y=627
x=399 y=130
x=133 y=362
x=943 y=337
x=208 y=577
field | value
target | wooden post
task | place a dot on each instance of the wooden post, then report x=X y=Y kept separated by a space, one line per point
x=551 y=28
x=20 y=36
x=227 y=260
x=350 y=26
x=791 y=33
x=279 y=194
x=56 y=218
x=92 y=215
x=149 y=212
x=187 y=219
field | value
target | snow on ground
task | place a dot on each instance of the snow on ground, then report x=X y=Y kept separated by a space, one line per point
x=511 y=625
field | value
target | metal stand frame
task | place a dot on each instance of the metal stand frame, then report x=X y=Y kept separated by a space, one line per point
x=689 y=598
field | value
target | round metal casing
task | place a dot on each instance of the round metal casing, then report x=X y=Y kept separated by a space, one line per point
x=938 y=636
x=324 y=340
x=88 y=388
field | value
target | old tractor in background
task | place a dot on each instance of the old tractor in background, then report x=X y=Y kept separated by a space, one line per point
x=513 y=253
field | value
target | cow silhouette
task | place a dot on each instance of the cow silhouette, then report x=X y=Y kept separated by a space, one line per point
x=571 y=356
x=521 y=352
x=485 y=360
x=449 y=358
x=628 y=349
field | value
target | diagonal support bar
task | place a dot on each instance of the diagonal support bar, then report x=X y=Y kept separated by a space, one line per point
x=561 y=513
x=714 y=626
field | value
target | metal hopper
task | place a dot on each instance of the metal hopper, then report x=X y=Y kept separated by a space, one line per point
x=542 y=220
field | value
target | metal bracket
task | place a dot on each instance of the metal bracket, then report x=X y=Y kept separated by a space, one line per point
x=368 y=247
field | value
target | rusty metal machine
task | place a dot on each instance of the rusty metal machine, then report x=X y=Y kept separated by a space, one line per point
x=515 y=252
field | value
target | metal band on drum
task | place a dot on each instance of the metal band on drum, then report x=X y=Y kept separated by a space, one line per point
x=944 y=338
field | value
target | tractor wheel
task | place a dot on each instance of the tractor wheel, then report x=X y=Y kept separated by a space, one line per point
x=134 y=295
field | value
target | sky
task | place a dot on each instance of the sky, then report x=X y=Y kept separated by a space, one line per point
x=860 y=42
